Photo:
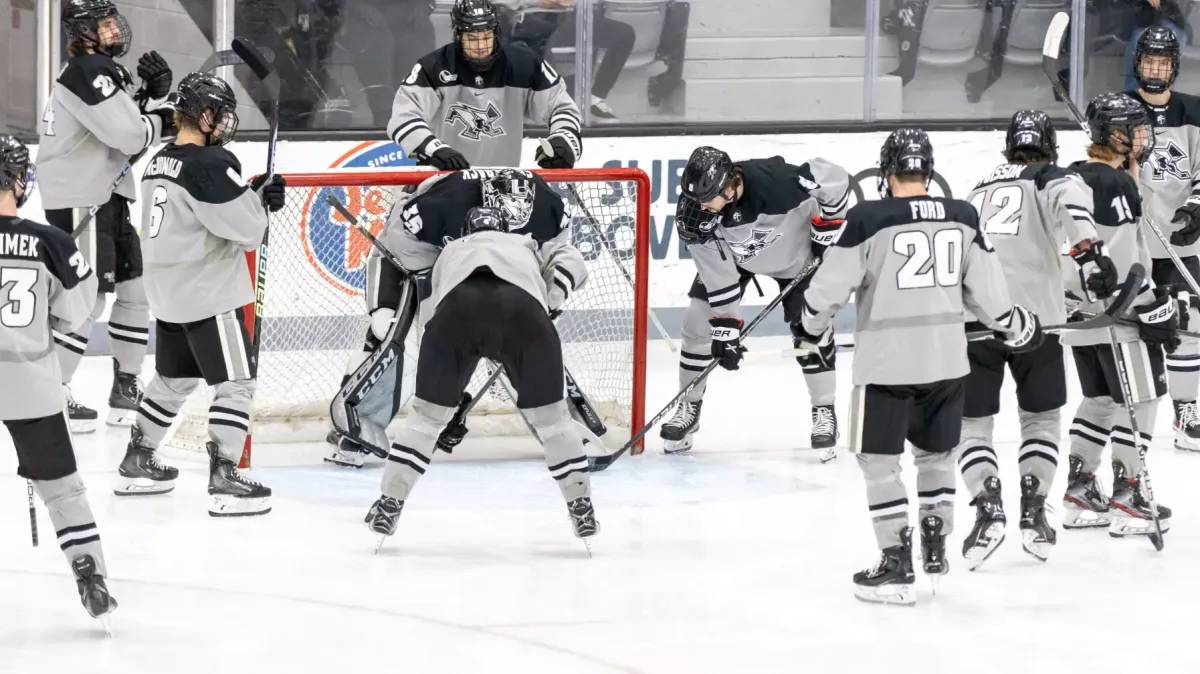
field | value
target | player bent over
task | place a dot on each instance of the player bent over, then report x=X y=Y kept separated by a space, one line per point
x=1029 y=208
x=200 y=221
x=1122 y=133
x=45 y=285
x=916 y=263
x=761 y=216
x=493 y=295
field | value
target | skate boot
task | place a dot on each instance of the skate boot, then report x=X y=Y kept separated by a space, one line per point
x=93 y=592
x=1131 y=514
x=679 y=430
x=1187 y=426
x=988 y=532
x=824 y=431
x=1037 y=536
x=140 y=474
x=124 y=399
x=891 y=580
x=343 y=451
x=583 y=517
x=82 y=419
x=1084 y=500
x=232 y=493
x=382 y=518
x=933 y=549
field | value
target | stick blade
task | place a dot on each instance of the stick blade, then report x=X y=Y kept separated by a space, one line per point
x=252 y=57
x=1129 y=291
x=1055 y=34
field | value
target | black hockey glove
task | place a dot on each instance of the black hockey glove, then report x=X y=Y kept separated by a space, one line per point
x=824 y=232
x=559 y=151
x=456 y=430
x=1158 y=321
x=820 y=347
x=446 y=158
x=727 y=346
x=1023 y=330
x=1073 y=304
x=1097 y=273
x=270 y=191
x=155 y=75
x=1189 y=215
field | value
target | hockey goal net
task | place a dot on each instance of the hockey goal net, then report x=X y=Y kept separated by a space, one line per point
x=314 y=315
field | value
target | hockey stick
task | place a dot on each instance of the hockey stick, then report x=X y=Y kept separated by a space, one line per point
x=602 y=236
x=32 y=515
x=601 y=462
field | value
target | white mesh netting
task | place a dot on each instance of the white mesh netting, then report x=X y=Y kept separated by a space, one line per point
x=314 y=314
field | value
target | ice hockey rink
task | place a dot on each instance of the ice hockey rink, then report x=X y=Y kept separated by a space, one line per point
x=735 y=558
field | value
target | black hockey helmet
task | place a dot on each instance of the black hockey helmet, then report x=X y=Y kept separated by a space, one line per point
x=906 y=152
x=469 y=18
x=1108 y=114
x=208 y=97
x=15 y=168
x=707 y=174
x=1161 y=42
x=482 y=218
x=511 y=192
x=99 y=24
x=1031 y=130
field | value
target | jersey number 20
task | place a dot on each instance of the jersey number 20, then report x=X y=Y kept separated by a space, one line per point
x=932 y=261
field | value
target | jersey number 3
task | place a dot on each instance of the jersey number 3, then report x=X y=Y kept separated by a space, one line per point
x=932 y=261
x=19 y=308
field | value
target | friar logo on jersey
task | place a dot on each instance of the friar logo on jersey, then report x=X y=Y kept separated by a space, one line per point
x=1168 y=160
x=757 y=242
x=476 y=122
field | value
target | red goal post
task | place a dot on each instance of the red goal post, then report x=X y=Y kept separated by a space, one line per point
x=314 y=314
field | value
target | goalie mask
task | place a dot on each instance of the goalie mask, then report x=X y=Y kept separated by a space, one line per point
x=484 y=219
x=16 y=172
x=511 y=193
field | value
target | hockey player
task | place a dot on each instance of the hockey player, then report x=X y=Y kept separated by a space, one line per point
x=493 y=292
x=200 y=221
x=464 y=105
x=1122 y=133
x=93 y=127
x=434 y=215
x=915 y=262
x=761 y=216
x=1029 y=208
x=45 y=285
x=1172 y=171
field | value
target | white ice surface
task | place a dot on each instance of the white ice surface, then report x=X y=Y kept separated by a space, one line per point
x=736 y=558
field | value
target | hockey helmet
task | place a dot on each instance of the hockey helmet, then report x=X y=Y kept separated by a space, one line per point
x=1161 y=44
x=1032 y=130
x=99 y=24
x=905 y=152
x=707 y=172
x=1108 y=114
x=16 y=171
x=476 y=32
x=483 y=219
x=511 y=192
x=203 y=96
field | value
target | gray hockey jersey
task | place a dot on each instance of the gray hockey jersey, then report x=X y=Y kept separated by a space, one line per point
x=46 y=286
x=548 y=271
x=92 y=129
x=768 y=230
x=1028 y=212
x=199 y=219
x=1172 y=170
x=481 y=114
x=915 y=264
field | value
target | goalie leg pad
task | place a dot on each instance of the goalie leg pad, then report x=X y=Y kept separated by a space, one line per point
x=565 y=457
x=72 y=517
x=412 y=452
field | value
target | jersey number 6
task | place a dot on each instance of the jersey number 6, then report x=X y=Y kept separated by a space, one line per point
x=157 y=212
x=930 y=263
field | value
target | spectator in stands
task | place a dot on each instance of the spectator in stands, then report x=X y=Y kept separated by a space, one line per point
x=385 y=38
x=1147 y=13
x=541 y=24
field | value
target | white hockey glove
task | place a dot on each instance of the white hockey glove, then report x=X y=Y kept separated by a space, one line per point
x=1023 y=330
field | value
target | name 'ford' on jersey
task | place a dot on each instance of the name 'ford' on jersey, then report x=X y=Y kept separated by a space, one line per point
x=1028 y=212
x=46 y=287
x=1172 y=169
x=92 y=129
x=199 y=220
x=481 y=114
x=915 y=265
x=768 y=230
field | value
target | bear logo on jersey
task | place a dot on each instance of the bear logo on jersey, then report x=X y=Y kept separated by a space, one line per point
x=1168 y=160
x=757 y=242
x=476 y=122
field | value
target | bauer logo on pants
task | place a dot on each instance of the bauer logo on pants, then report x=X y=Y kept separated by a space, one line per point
x=333 y=247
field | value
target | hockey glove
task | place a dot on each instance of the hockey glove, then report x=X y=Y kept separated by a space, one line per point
x=560 y=151
x=155 y=74
x=727 y=346
x=819 y=347
x=1157 y=322
x=1097 y=273
x=270 y=190
x=1073 y=304
x=446 y=158
x=456 y=430
x=1023 y=330
x=1189 y=215
x=824 y=233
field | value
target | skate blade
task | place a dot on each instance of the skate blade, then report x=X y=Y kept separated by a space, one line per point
x=141 y=486
x=1126 y=527
x=339 y=458
x=1188 y=445
x=677 y=446
x=894 y=594
x=379 y=543
x=119 y=417
x=232 y=506
x=1039 y=549
x=827 y=454
x=1080 y=518
x=979 y=554
x=82 y=427
x=106 y=624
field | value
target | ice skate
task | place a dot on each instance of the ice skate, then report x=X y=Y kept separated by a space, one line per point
x=1085 y=503
x=891 y=580
x=583 y=520
x=824 y=432
x=124 y=399
x=233 y=494
x=990 y=521
x=140 y=473
x=343 y=451
x=1037 y=536
x=933 y=549
x=93 y=592
x=382 y=518
x=1187 y=426
x=678 y=431
x=1131 y=514
x=81 y=418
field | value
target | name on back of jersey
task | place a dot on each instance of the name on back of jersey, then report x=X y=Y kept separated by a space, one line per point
x=164 y=166
x=19 y=245
x=1003 y=172
x=928 y=210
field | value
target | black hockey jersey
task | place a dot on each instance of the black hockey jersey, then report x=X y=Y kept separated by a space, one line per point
x=1171 y=172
